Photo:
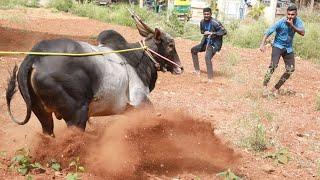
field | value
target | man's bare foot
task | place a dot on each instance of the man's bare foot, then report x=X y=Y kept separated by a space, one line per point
x=275 y=92
x=265 y=92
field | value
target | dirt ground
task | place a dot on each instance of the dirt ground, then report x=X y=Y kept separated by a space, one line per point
x=178 y=141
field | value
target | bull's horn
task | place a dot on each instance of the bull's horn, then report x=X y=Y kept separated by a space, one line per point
x=143 y=29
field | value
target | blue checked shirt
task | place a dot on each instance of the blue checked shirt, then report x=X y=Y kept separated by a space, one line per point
x=284 y=33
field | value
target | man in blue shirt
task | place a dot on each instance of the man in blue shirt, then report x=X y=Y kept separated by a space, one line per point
x=211 y=42
x=285 y=29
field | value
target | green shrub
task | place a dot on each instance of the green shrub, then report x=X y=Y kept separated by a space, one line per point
x=61 y=5
x=256 y=11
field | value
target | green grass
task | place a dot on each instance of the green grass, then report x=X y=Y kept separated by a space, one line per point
x=253 y=133
x=231 y=60
x=308 y=46
x=9 y=4
x=244 y=34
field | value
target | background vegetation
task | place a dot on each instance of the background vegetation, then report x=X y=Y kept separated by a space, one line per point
x=245 y=34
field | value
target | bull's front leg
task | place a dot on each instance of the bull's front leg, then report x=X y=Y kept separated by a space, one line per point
x=139 y=98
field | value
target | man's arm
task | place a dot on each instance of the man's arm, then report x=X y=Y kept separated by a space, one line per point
x=218 y=28
x=201 y=27
x=272 y=29
x=299 y=28
x=263 y=42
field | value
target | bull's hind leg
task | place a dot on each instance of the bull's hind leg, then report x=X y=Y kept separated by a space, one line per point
x=66 y=94
x=73 y=111
x=44 y=117
x=79 y=117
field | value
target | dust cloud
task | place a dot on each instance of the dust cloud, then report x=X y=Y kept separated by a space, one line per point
x=139 y=143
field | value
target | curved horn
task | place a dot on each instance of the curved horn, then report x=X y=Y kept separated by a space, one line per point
x=143 y=29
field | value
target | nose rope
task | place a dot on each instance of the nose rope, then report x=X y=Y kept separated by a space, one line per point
x=148 y=50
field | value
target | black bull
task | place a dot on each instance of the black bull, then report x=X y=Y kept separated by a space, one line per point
x=76 y=88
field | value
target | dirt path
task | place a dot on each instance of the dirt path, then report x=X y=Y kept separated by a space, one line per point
x=232 y=103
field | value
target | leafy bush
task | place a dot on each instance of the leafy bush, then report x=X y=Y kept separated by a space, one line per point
x=256 y=11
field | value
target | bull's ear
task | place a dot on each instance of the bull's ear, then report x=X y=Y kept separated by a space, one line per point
x=157 y=34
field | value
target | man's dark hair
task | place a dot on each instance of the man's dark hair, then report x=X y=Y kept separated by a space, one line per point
x=207 y=9
x=292 y=8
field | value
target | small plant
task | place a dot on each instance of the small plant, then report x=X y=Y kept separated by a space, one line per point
x=228 y=175
x=54 y=165
x=73 y=176
x=258 y=142
x=76 y=164
x=22 y=162
x=281 y=156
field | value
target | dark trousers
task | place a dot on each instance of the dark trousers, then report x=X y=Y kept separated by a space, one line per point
x=210 y=52
x=289 y=62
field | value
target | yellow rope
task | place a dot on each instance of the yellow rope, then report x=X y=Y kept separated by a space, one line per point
x=68 y=54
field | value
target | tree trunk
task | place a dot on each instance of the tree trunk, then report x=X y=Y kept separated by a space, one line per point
x=311 y=5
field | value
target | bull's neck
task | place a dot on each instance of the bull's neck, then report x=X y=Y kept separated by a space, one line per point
x=144 y=66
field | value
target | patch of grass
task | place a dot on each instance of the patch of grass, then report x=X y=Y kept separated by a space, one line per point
x=281 y=156
x=258 y=140
x=308 y=46
x=9 y=4
x=247 y=34
x=62 y=5
x=253 y=133
x=231 y=60
x=228 y=175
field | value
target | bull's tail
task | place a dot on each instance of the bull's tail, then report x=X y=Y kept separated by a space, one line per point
x=23 y=76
